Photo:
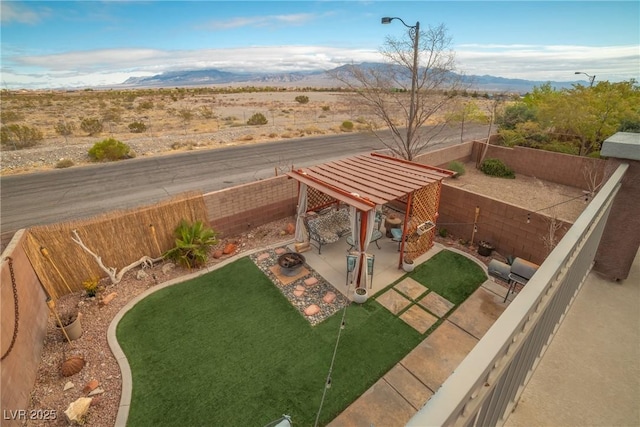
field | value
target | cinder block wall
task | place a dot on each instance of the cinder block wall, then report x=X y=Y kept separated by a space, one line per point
x=20 y=367
x=502 y=224
x=621 y=237
x=560 y=168
x=238 y=209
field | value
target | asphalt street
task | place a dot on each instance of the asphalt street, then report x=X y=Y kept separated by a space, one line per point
x=80 y=192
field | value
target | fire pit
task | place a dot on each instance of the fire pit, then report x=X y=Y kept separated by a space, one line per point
x=290 y=263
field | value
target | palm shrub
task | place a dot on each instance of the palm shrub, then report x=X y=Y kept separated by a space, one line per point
x=193 y=242
x=495 y=167
x=109 y=149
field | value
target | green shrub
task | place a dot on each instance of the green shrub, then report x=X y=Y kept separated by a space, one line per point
x=109 y=149
x=561 y=147
x=193 y=242
x=443 y=232
x=346 y=126
x=91 y=125
x=458 y=168
x=326 y=108
x=20 y=136
x=495 y=167
x=137 y=127
x=302 y=99
x=257 y=119
x=145 y=105
x=64 y=163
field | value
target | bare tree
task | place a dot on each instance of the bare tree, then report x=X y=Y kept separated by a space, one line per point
x=550 y=239
x=386 y=88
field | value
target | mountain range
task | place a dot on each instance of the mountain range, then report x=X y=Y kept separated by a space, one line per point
x=316 y=79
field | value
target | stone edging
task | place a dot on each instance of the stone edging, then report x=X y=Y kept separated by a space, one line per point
x=116 y=350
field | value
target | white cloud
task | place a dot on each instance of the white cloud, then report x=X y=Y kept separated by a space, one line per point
x=260 y=21
x=16 y=12
x=113 y=66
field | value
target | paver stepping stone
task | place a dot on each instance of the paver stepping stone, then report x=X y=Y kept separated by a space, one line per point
x=263 y=256
x=280 y=251
x=311 y=310
x=311 y=281
x=299 y=290
x=418 y=319
x=329 y=297
x=408 y=386
x=411 y=288
x=393 y=301
x=436 y=304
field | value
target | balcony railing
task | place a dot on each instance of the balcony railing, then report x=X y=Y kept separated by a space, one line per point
x=486 y=385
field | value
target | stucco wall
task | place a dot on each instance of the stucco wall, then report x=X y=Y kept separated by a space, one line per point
x=20 y=366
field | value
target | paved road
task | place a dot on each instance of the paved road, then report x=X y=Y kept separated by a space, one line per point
x=79 y=192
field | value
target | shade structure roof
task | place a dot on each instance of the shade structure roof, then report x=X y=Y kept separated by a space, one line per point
x=367 y=180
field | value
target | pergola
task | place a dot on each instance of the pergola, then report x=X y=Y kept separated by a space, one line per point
x=365 y=183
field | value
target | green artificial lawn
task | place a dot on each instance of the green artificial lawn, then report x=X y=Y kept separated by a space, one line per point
x=451 y=275
x=227 y=348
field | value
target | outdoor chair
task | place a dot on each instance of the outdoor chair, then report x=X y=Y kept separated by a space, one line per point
x=377 y=235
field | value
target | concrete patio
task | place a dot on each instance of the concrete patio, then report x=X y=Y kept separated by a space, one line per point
x=397 y=396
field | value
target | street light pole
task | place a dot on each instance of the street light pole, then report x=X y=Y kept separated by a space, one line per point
x=414 y=32
x=591 y=78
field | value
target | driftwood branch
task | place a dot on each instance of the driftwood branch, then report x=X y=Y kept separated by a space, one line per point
x=115 y=276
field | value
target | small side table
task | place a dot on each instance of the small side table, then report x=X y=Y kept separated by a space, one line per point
x=391 y=223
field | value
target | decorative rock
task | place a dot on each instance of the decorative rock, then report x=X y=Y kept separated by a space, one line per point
x=311 y=310
x=229 y=249
x=72 y=365
x=68 y=385
x=106 y=300
x=263 y=256
x=217 y=254
x=99 y=390
x=91 y=385
x=280 y=251
x=168 y=267
x=78 y=409
x=96 y=401
x=329 y=297
x=311 y=281
x=141 y=274
x=290 y=228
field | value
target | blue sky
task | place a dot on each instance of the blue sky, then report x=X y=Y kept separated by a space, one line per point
x=71 y=44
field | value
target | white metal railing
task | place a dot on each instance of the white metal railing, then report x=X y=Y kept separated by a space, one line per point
x=486 y=385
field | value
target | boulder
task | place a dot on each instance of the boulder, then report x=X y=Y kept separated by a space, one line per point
x=91 y=385
x=78 y=409
x=106 y=300
x=217 y=254
x=141 y=274
x=166 y=268
x=290 y=228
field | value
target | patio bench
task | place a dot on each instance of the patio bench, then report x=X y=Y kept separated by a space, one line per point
x=328 y=227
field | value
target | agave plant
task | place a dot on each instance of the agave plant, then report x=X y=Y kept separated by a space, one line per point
x=193 y=242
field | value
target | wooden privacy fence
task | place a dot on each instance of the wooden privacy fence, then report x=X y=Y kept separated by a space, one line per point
x=119 y=238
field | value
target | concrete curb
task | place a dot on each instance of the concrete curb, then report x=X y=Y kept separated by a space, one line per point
x=125 y=369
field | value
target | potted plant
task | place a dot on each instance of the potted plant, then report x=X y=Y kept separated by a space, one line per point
x=70 y=322
x=360 y=295
x=91 y=287
x=407 y=264
x=485 y=248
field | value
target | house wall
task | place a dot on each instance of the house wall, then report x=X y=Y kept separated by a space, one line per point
x=20 y=366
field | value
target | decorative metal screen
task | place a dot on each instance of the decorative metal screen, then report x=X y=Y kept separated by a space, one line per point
x=316 y=199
